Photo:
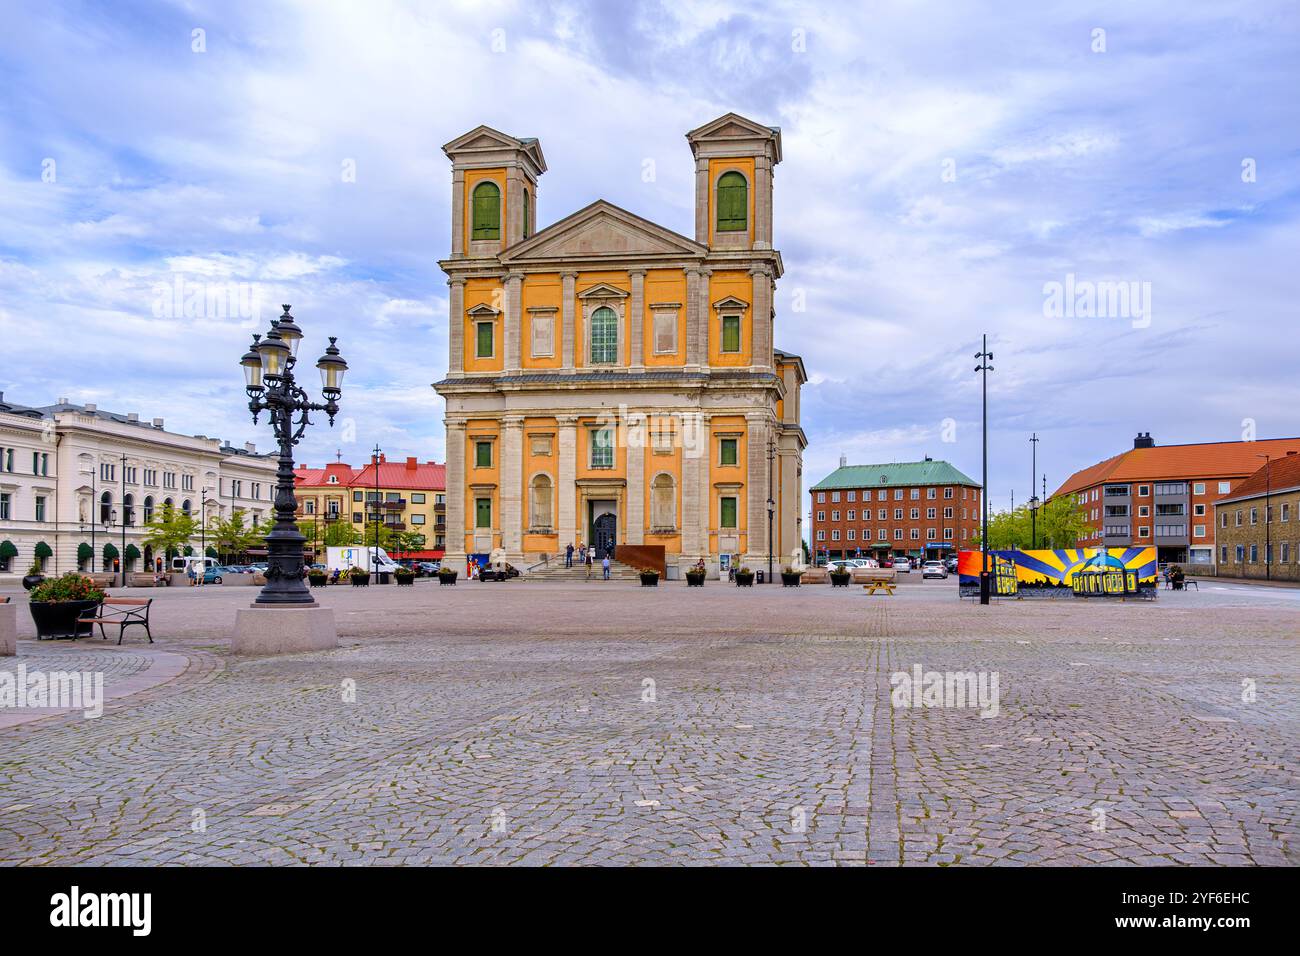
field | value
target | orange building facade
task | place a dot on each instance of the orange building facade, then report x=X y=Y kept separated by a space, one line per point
x=611 y=381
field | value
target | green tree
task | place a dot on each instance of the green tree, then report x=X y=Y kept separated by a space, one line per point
x=1060 y=524
x=169 y=530
x=341 y=534
x=234 y=536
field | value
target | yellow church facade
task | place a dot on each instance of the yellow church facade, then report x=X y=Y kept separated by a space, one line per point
x=613 y=382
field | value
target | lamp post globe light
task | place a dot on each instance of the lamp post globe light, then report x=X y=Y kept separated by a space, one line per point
x=269 y=381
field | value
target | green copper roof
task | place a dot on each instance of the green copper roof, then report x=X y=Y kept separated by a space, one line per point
x=906 y=473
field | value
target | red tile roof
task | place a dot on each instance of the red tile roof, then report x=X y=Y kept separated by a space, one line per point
x=1279 y=474
x=408 y=474
x=1210 y=460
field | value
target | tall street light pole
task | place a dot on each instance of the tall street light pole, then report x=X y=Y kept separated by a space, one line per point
x=1033 y=498
x=374 y=459
x=985 y=366
x=269 y=382
x=1268 y=524
x=771 y=504
x=126 y=519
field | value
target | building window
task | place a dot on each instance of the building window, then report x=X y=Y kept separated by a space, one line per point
x=728 y=451
x=931 y=493
x=1198 y=530
x=40 y=507
x=821 y=535
x=484 y=344
x=1241 y=553
x=1225 y=487
x=835 y=496
x=663 y=503
x=850 y=534
x=821 y=516
x=1238 y=517
x=4 y=506
x=482 y=454
x=1198 y=488
x=898 y=534
x=1286 y=511
x=930 y=513
x=835 y=516
x=852 y=496
x=1144 y=490
x=727 y=515
x=539 y=502
x=487 y=211
x=604 y=336
x=1254 y=553
x=915 y=513
x=417 y=519
x=851 y=516
x=835 y=535
x=418 y=498
x=1198 y=510
x=1223 y=554
x=482 y=512
x=1254 y=516
x=731 y=333
x=602 y=448
x=733 y=202
x=1143 y=530
x=947 y=534
x=915 y=534
x=665 y=332
x=543 y=324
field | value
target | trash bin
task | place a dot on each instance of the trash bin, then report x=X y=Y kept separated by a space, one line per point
x=383 y=577
x=759 y=576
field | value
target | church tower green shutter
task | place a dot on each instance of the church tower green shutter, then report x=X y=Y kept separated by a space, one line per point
x=733 y=202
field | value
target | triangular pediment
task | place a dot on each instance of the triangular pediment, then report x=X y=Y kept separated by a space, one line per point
x=734 y=127
x=603 y=231
x=602 y=290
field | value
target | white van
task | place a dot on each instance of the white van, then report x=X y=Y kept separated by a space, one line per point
x=181 y=564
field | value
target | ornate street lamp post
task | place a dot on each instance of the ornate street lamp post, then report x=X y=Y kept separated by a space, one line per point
x=269 y=382
x=985 y=366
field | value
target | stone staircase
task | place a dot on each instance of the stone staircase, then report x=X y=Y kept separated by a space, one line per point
x=556 y=571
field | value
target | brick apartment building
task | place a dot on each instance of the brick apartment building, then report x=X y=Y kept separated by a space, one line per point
x=917 y=508
x=1258 y=523
x=1164 y=495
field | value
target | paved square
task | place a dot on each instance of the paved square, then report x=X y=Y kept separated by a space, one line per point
x=610 y=724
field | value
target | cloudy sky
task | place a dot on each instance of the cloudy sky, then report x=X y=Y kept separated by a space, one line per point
x=945 y=163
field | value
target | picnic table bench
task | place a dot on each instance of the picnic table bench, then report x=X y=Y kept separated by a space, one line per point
x=874 y=580
x=122 y=612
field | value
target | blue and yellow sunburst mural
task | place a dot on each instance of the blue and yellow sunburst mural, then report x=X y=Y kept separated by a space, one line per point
x=1052 y=571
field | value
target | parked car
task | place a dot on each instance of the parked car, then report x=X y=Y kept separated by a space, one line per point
x=902 y=564
x=933 y=569
x=429 y=567
x=492 y=574
x=213 y=574
x=950 y=563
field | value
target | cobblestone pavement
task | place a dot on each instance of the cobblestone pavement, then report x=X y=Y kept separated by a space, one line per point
x=609 y=724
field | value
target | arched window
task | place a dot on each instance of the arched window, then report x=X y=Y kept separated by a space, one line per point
x=527 y=222
x=106 y=507
x=148 y=509
x=128 y=509
x=169 y=503
x=185 y=506
x=539 y=502
x=487 y=211
x=604 y=336
x=663 y=502
x=733 y=202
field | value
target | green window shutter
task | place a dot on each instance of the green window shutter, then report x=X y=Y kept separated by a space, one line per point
x=487 y=211
x=482 y=512
x=733 y=203
x=731 y=333
x=484 y=349
x=727 y=513
x=728 y=456
x=483 y=455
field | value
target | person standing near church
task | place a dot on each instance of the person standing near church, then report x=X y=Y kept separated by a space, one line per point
x=568 y=555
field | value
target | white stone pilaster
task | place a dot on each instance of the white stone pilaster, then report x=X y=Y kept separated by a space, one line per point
x=702 y=201
x=756 y=488
x=693 y=319
x=635 y=530
x=512 y=487
x=568 y=308
x=458 y=213
x=762 y=203
x=761 y=315
x=454 y=554
x=513 y=320
x=456 y=327
x=637 y=318
x=567 y=523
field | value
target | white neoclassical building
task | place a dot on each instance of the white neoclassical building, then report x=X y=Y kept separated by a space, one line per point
x=78 y=483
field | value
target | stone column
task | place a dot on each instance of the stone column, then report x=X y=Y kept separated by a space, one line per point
x=454 y=555
x=693 y=357
x=636 y=438
x=706 y=317
x=761 y=315
x=566 y=520
x=704 y=510
x=756 y=489
x=457 y=213
x=514 y=225
x=702 y=201
x=512 y=487
x=456 y=327
x=637 y=323
x=567 y=309
x=513 y=321
x=762 y=203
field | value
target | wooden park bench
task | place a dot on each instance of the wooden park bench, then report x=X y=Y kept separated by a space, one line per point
x=122 y=612
x=874 y=580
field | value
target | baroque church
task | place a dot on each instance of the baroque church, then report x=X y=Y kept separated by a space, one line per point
x=615 y=383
